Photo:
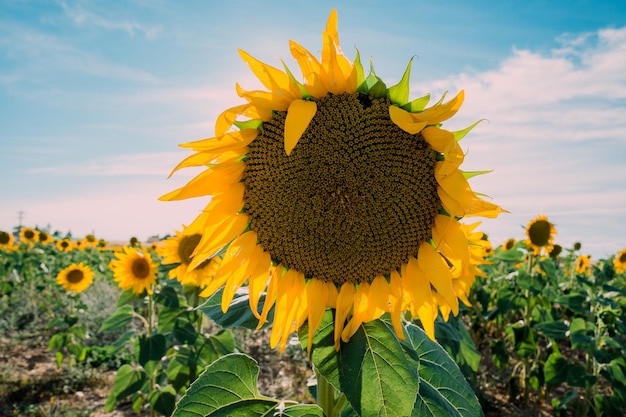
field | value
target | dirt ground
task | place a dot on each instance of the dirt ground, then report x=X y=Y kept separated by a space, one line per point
x=31 y=384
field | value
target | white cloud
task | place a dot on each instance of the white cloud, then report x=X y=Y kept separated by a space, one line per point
x=555 y=138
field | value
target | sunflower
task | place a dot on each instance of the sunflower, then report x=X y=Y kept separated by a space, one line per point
x=509 y=244
x=75 y=278
x=28 y=235
x=89 y=241
x=177 y=250
x=556 y=251
x=540 y=235
x=44 y=237
x=620 y=261
x=6 y=240
x=335 y=192
x=134 y=270
x=65 y=245
x=582 y=263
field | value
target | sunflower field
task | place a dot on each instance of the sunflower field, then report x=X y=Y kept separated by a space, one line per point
x=543 y=335
x=338 y=269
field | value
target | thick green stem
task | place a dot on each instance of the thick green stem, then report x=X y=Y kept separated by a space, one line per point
x=327 y=397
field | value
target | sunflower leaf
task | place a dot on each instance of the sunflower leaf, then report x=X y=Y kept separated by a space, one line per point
x=227 y=387
x=238 y=314
x=377 y=371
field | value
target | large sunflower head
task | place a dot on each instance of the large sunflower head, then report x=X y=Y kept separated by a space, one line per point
x=6 y=240
x=75 y=278
x=134 y=270
x=178 y=249
x=540 y=235
x=335 y=191
x=620 y=261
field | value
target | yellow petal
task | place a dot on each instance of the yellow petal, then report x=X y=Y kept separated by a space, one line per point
x=226 y=142
x=299 y=116
x=270 y=294
x=438 y=273
x=272 y=78
x=317 y=298
x=439 y=113
x=409 y=122
x=344 y=304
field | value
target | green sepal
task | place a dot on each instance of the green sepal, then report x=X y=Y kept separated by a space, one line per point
x=305 y=94
x=441 y=99
x=399 y=93
x=470 y=174
x=248 y=124
x=460 y=134
x=358 y=67
x=373 y=86
x=417 y=105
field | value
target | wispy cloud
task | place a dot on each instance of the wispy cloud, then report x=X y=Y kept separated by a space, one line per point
x=149 y=164
x=38 y=56
x=83 y=17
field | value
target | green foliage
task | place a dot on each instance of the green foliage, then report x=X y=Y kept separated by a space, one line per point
x=549 y=326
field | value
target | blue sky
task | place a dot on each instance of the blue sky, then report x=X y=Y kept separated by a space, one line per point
x=96 y=96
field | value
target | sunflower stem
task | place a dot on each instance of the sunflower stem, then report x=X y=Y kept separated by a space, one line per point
x=327 y=397
x=150 y=326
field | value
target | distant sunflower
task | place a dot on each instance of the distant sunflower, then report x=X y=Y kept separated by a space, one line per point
x=134 y=270
x=65 y=245
x=556 y=251
x=89 y=241
x=540 y=235
x=75 y=278
x=335 y=192
x=509 y=244
x=44 y=237
x=178 y=250
x=102 y=245
x=620 y=261
x=6 y=240
x=582 y=263
x=28 y=235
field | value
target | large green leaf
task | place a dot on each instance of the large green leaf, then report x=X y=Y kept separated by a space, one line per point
x=127 y=381
x=238 y=314
x=443 y=389
x=229 y=387
x=120 y=319
x=383 y=375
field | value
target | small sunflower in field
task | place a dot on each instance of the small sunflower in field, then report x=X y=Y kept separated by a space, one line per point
x=540 y=235
x=102 y=245
x=89 y=241
x=44 y=237
x=65 y=244
x=556 y=251
x=6 y=240
x=509 y=244
x=335 y=192
x=620 y=261
x=178 y=249
x=28 y=235
x=75 y=278
x=134 y=270
x=583 y=262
